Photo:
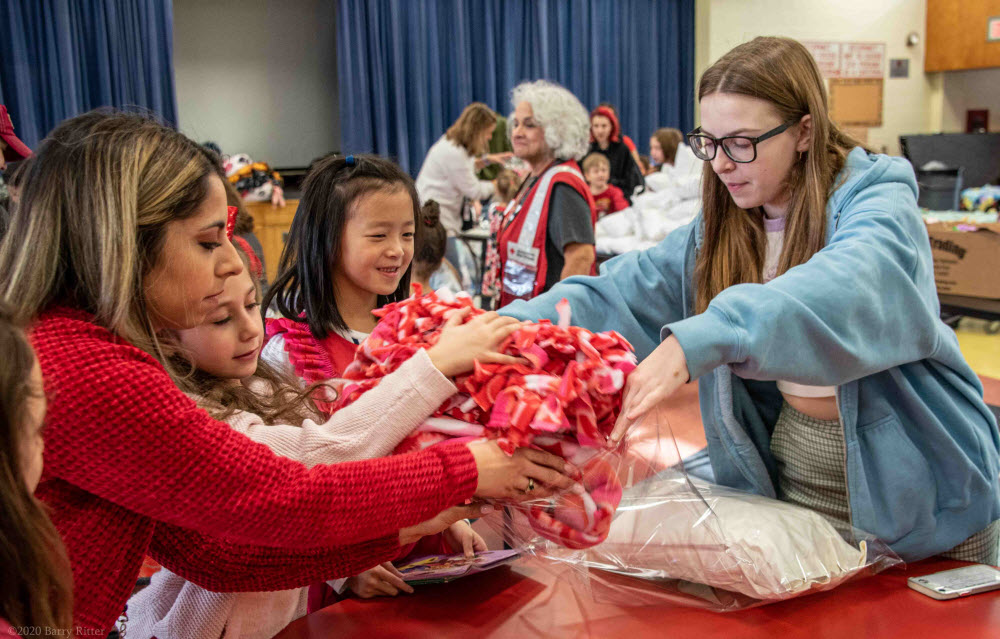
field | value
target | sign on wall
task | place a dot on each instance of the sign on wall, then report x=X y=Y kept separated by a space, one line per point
x=861 y=60
x=849 y=59
x=856 y=102
x=827 y=55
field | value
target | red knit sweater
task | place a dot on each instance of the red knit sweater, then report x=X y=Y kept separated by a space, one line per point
x=132 y=467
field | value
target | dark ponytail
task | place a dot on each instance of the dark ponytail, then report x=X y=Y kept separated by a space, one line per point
x=433 y=242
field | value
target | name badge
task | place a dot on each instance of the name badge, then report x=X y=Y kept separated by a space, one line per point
x=526 y=255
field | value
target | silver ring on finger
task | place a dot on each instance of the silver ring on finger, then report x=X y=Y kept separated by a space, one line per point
x=531 y=484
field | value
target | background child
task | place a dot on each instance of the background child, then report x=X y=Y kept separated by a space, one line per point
x=607 y=197
x=430 y=269
x=231 y=383
x=663 y=146
x=675 y=166
x=507 y=184
x=37 y=584
x=358 y=214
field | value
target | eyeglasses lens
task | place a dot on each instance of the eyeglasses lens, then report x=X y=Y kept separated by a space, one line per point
x=703 y=147
x=739 y=149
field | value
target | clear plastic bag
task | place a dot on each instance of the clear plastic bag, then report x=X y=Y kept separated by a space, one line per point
x=678 y=539
x=635 y=522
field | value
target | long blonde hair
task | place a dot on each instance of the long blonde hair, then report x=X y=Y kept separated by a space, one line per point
x=97 y=197
x=470 y=125
x=782 y=72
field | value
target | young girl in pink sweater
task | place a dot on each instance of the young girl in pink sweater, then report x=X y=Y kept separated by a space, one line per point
x=233 y=385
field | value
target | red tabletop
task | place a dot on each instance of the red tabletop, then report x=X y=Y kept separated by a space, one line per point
x=534 y=600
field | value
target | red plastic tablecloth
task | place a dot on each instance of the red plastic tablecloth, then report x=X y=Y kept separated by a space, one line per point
x=528 y=600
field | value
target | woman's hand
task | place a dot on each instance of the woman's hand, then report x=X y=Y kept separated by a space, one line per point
x=460 y=537
x=499 y=158
x=655 y=379
x=492 y=158
x=442 y=521
x=383 y=579
x=527 y=474
x=460 y=345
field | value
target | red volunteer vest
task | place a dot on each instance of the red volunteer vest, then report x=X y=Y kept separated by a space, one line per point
x=521 y=242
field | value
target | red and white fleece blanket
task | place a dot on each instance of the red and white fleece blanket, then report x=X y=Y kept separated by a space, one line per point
x=565 y=402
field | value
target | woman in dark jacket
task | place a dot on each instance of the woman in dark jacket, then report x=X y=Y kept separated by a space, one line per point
x=605 y=137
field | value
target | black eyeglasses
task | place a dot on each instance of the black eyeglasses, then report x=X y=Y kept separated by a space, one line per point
x=739 y=148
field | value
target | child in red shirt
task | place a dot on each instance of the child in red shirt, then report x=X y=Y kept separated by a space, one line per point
x=607 y=197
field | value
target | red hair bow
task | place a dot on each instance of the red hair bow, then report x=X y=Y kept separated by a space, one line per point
x=231 y=221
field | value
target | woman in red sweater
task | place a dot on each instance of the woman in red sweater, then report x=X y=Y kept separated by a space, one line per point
x=120 y=236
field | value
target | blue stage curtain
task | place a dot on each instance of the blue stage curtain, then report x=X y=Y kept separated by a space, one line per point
x=60 y=58
x=408 y=67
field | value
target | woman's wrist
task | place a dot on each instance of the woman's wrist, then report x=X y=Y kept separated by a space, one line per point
x=707 y=340
x=681 y=358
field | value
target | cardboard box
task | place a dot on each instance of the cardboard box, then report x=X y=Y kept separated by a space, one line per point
x=966 y=262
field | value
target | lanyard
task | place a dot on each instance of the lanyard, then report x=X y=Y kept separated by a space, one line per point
x=519 y=200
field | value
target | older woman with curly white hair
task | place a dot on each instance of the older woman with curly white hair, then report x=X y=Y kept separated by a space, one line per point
x=547 y=233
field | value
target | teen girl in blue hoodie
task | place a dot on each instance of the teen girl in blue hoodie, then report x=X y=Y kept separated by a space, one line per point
x=802 y=299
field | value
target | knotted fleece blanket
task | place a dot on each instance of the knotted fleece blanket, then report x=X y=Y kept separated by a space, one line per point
x=565 y=401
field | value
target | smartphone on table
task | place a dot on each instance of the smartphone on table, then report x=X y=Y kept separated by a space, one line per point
x=957 y=582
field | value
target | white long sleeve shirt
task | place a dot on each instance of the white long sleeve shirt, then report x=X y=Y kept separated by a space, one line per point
x=448 y=174
x=173 y=608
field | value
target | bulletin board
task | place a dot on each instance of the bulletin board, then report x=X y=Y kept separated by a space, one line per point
x=856 y=102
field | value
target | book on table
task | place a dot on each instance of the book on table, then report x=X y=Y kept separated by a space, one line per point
x=436 y=569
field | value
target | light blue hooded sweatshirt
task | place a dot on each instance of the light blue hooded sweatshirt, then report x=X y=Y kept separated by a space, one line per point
x=863 y=315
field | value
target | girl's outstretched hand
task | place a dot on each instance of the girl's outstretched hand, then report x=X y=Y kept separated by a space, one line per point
x=460 y=345
x=654 y=380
